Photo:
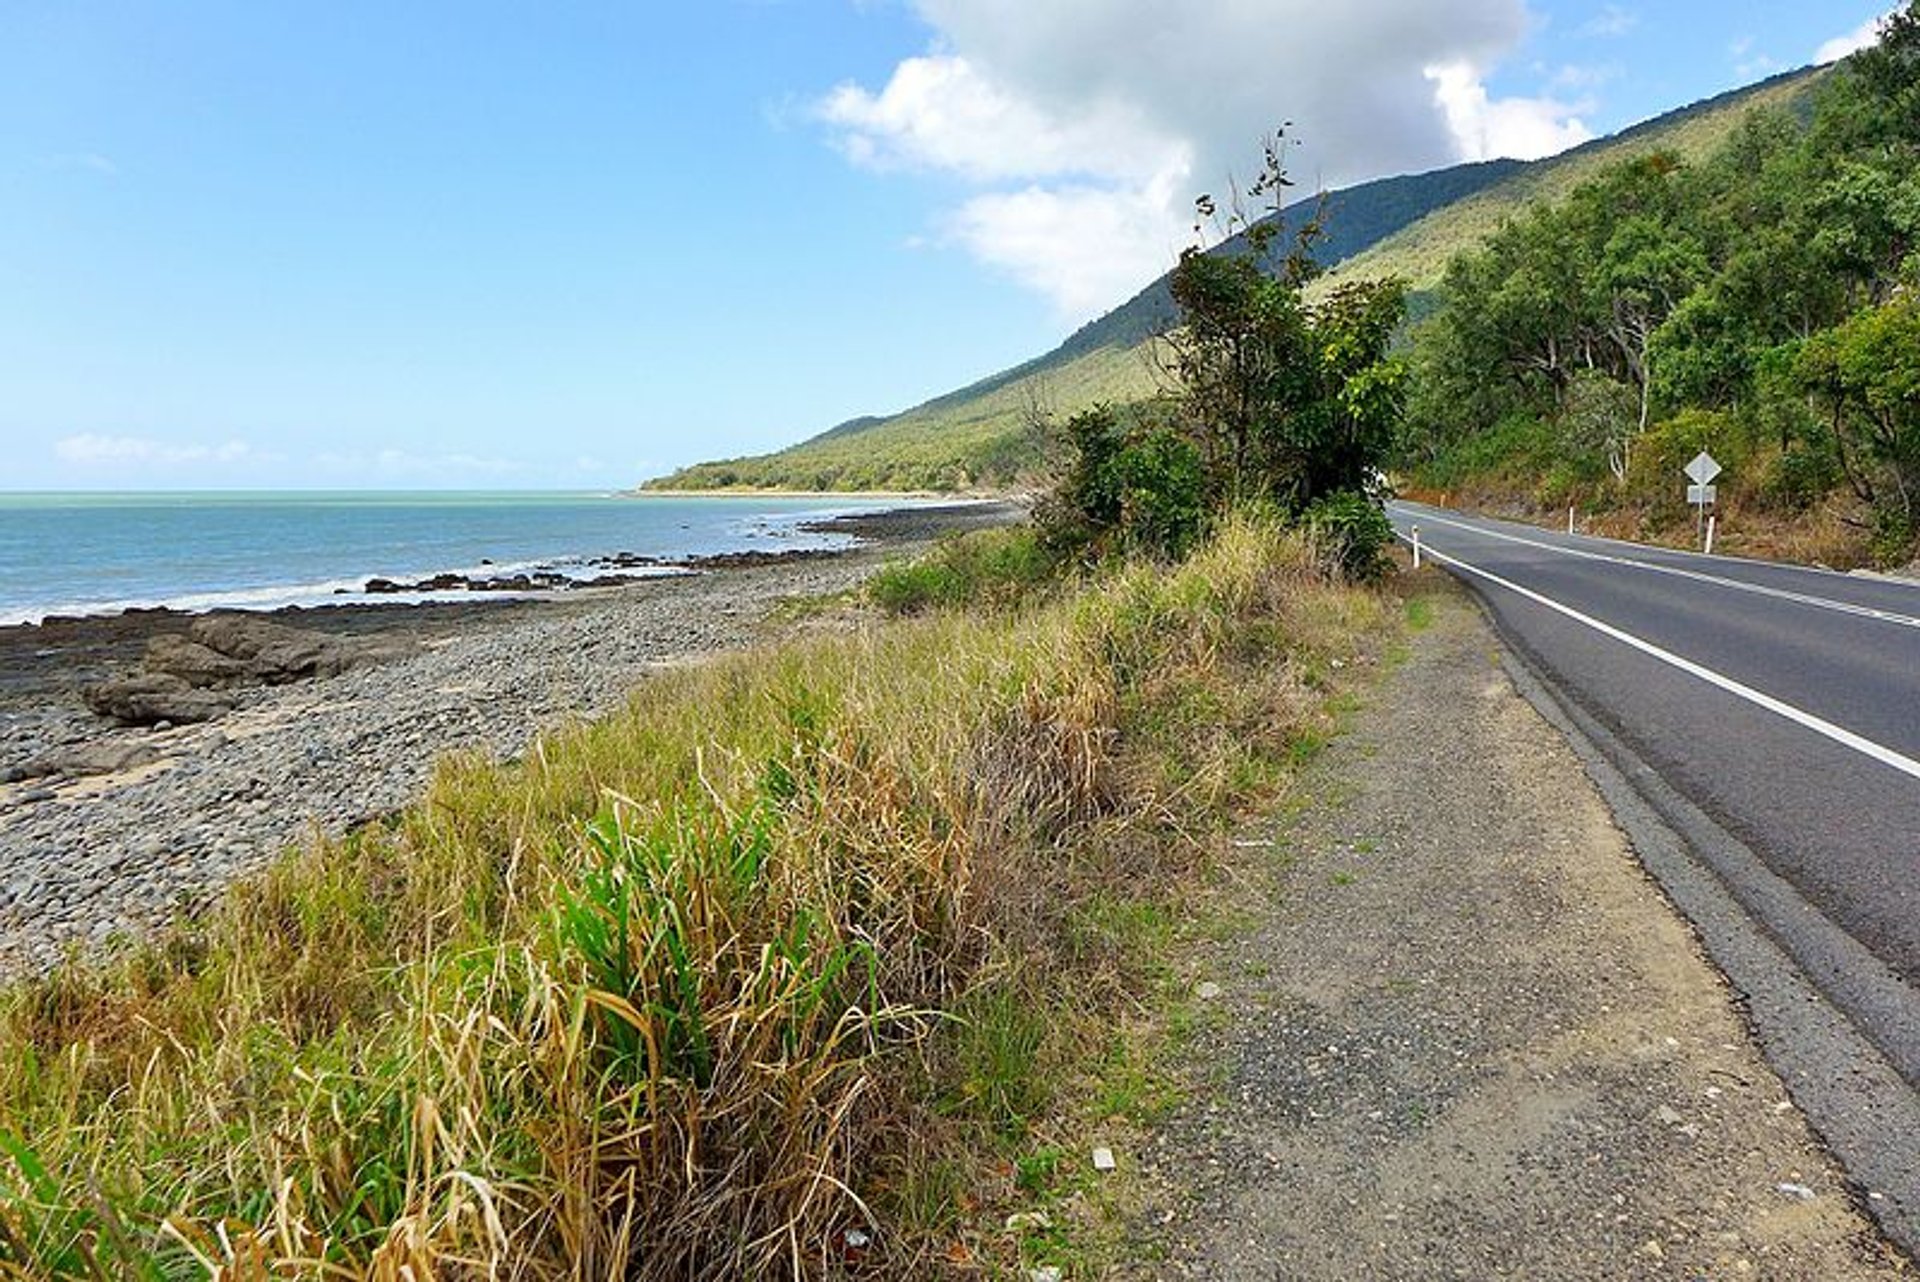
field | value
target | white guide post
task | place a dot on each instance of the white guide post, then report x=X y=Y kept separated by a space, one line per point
x=1416 y=547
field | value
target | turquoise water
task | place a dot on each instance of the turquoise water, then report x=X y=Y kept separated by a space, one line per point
x=102 y=553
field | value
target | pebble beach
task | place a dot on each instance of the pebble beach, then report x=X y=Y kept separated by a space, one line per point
x=91 y=858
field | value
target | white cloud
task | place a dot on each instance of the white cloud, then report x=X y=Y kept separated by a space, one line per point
x=1084 y=247
x=1486 y=128
x=1867 y=33
x=1577 y=76
x=92 y=449
x=90 y=161
x=404 y=463
x=390 y=465
x=1086 y=127
x=1749 y=61
x=940 y=112
x=1610 y=22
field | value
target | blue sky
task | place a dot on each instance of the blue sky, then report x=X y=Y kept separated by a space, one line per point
x=503 y=245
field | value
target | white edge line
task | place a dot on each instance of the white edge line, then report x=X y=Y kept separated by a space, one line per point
x=1819 y=725
x=1651 y=567
x=1864 y=576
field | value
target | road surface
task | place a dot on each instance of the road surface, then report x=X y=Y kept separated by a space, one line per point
x=1763 y=722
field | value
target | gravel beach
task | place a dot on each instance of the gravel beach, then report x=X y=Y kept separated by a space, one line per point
x=84 y=859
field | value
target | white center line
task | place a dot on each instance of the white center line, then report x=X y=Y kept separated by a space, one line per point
x=1799 y=598
x=1799 y=716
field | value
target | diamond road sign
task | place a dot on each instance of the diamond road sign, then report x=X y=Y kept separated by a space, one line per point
x=1703 y=469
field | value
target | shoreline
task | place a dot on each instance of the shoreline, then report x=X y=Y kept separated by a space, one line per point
x=488 y=569
x=83 y=859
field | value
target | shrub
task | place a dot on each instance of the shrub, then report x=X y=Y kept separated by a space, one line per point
x=986 y=567
x=1126 y=488
x=1353 y=534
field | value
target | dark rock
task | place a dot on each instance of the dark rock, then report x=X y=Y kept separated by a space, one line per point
x=147 y=697
x=625 y=561
x=383 y=587
x=103 y=757
x=275 y=653
x=194 y=663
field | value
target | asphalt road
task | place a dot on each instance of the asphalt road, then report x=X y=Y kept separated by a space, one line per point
x=1770 y=717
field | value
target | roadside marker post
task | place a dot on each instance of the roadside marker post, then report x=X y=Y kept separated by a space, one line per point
x=1569 y=520
x=1702 y=492
x=1709 y=547
x=1416 y=547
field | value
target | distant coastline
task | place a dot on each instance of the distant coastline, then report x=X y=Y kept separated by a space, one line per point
x=752 y=491
x=98 y=554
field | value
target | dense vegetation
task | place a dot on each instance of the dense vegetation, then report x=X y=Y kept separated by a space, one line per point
x=1284 y=403
x=1753 y=303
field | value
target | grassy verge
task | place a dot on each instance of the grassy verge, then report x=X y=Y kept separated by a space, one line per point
x=782 y=971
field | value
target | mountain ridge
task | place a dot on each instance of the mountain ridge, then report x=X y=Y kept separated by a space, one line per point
x=1408 y=225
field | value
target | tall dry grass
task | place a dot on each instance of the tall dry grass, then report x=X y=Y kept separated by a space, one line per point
x=688 y=993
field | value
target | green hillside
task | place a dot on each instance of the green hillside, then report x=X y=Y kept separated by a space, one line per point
x=1751 y=293
x=1419 y=253
x=980 y=436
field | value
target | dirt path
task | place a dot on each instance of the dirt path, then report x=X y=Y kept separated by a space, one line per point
x=1464 y=1035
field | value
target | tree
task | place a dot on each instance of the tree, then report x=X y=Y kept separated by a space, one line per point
x=1866 y=375
x=1286 y=400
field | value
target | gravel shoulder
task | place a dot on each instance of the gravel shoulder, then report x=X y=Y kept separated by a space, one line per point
x=83 y=860
x=1461 y=1033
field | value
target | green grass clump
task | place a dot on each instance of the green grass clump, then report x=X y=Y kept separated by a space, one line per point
x=779 y=951
x=986 y=567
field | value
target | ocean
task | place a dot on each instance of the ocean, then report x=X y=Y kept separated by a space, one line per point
x=84 y=554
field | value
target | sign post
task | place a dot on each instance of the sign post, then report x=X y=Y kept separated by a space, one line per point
x=1702 y=492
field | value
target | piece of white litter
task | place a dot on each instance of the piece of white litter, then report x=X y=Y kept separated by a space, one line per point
x=1045 y=1273
x=1799 y=1191
x=1250 y=844
x=1103 y=1159
x=1206 y=990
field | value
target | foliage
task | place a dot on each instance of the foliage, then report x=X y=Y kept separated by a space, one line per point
x=1287 y=401
x=984 y=567
x=1734 y=290
x=1127 y=486
x=1866 y=374
x=1276 y=401
x=1353 y=532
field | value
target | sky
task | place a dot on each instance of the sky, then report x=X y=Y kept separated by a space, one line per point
x=573 y=245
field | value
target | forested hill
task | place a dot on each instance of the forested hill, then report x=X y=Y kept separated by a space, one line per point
x=978 y=436
x=1355 y=218
x=1758 y=302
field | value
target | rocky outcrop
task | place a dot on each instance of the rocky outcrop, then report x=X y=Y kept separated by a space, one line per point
x=149 y=697
x=187 y=678
x=193 y=663
x=273 y=653
x=77 y=760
